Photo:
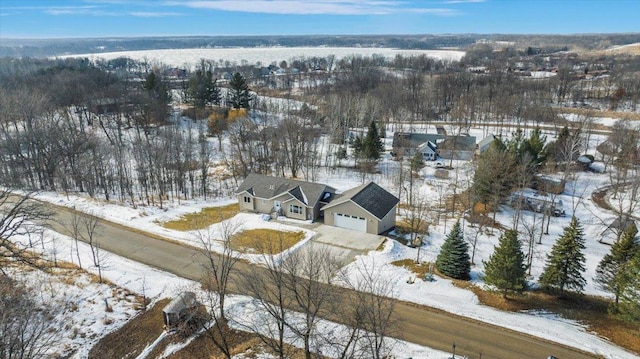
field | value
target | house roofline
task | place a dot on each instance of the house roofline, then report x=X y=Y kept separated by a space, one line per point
x=364 y=209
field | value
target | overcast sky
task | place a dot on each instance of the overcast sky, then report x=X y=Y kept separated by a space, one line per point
x=105 y=18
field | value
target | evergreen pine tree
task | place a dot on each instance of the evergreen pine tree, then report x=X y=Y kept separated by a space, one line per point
x=417 y=162
x=239 y=95
x=372 y=144
x=202 y=89
x=565 y=263
x=629 y=306
x=609 y=273
x=453 y=259
x=505 y=269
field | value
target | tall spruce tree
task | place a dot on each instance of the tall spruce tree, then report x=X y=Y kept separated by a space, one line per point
x=629 y=306
x=239 y=95
x=372 y=144
x=610 y=273
x=505 y=269
x=565 y=264
x=453 y=259
x=202 y=89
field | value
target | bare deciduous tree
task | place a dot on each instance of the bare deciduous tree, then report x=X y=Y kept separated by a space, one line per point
x=218 y=269
x=310 y=274
x=26 y=330
x=20 y=215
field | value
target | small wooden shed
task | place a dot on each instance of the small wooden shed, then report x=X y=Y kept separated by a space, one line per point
x=180 y=310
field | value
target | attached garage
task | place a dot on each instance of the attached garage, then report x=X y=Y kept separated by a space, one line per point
x=367 y=208
x=350 y=222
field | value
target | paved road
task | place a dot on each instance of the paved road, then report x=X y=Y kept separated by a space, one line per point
x=418 y=324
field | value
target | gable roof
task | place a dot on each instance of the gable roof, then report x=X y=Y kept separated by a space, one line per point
x=371 y=197
x=413 y=140
x=486 y=142
x=428 y=145
x=459 y=143
x=263 y=186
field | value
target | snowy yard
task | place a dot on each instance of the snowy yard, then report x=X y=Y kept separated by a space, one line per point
x=440 y=293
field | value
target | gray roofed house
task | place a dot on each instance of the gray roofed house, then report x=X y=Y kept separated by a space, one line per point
x=458 y=147
x=367 y=208
x=405 y=143
x=618 y=226
x=485 y=143
x=286 y=197
x=429 y=151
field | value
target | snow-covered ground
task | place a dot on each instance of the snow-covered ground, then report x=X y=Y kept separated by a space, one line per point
x=84 y=318
x=265 y=55
x=441 y=293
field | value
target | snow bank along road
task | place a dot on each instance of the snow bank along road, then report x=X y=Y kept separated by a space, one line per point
x=417 y=324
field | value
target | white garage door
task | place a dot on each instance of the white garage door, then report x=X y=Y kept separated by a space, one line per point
x=349 y=222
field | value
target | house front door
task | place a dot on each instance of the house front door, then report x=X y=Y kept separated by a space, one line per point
x=276 y=206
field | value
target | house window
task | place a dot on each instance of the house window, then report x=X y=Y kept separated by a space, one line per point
x=295 y=209
x=247 y=199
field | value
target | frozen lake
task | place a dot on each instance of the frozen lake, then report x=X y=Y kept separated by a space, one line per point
x=264 y=55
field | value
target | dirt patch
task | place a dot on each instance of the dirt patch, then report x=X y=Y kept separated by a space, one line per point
x=268 y=241
x=239 y=341
x=203 y=219
x=599 y=198
x=419 y=269
x=131 y=339
x=590 y=311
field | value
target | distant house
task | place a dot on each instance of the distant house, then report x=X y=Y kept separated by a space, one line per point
x=429 y=151
x=180 y=310
x=286 y=197
x=366 y=208
x=485 y=144
x=405 y=143
x=615 y=230
x=584 y=162
x=458 y=148
x=548 y=184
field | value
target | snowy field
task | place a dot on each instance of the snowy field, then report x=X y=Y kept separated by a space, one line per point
x=85 y=319
x=264 y=55
x=441 y=293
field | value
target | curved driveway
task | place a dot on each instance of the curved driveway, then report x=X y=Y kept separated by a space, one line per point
x=418 y=324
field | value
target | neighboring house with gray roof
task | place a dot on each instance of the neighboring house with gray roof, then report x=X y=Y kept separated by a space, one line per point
x=458 y=148
x=287 y=197
x=366 y=208
x=429 y=151
x=485 y=144
x=406 y=143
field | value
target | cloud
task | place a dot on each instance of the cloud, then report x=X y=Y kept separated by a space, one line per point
x=79 y=10
x=315 y=7
x=153 y=14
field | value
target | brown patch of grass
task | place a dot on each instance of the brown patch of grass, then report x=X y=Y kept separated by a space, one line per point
x=404 y=226
x=131 y=339
x=203 y=219
x=590 y=311
x=268 y=241
x=599 y=197
x=419 y=269
x=239 y=341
